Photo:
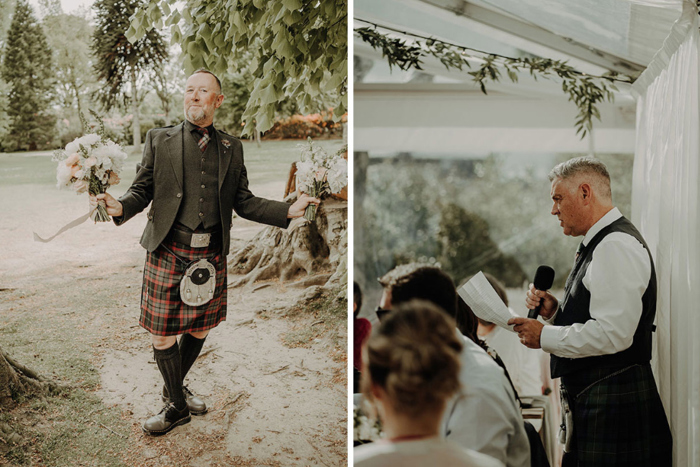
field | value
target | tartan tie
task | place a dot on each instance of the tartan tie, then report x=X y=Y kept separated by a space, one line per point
x=204 y=139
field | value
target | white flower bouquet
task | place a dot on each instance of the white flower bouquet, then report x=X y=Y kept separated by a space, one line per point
x=365 y=429
x=319 y=173
x=90 y=163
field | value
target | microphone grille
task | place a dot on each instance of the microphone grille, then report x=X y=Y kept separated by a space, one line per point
x=544 y=278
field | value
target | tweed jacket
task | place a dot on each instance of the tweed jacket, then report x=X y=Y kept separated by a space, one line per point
x=159 y=179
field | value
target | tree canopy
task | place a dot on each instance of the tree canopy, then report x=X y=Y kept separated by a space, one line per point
x=26 y=69
x=69 y=37
x=121 y=64
x=299 y=48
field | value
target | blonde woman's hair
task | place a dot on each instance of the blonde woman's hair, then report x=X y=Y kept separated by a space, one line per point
x=414 y=357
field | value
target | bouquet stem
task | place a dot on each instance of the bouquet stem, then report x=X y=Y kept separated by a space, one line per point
x=315 y=190
x=100 y=212
x=310 y=213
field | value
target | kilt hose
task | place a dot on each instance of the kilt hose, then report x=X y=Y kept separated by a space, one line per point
x=618 y=419
x=162 y=311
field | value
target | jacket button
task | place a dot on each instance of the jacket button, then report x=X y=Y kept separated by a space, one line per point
x=179 y=195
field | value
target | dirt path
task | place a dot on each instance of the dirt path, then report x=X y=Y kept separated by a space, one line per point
x=269 y=404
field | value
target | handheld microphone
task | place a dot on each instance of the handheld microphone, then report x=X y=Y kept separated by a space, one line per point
x=544 y=278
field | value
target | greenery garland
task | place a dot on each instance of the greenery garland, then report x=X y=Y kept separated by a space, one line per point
x=586 y=91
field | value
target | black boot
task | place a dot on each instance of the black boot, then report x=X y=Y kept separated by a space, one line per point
x=196 y=405
x=166 y=420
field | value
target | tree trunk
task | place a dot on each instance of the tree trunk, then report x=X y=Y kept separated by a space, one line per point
x=74 y=86
x=135 y=124
x=257 y=137
x=310 y=253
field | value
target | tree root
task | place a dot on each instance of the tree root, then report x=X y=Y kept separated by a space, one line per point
x=18 y=380
x=305 y=249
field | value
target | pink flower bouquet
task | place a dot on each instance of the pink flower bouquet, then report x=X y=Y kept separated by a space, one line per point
x=90 y=163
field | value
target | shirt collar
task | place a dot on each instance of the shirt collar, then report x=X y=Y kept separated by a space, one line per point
x=611 y=216
x=192 y=127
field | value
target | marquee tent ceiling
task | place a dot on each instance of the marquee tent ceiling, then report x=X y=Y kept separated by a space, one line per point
x=397 y=109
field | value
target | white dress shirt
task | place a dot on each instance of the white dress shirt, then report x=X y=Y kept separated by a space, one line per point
x=522 y=363
x=485 y=416
x=617 y=277
x=428 y=452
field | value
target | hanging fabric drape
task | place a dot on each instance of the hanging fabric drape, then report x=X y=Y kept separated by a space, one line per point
x=665 y=206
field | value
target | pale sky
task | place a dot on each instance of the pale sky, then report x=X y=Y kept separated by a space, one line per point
x=69 y=6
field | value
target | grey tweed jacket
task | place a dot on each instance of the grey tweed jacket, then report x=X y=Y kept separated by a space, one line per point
x=159 y=179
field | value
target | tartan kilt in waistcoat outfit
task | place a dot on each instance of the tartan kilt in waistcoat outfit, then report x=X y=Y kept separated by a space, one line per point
x=618 y=417
x=168 y=178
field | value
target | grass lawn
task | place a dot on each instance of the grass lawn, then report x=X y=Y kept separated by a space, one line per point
x=270 y=161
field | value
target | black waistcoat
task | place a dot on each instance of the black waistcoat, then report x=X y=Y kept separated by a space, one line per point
x=200 y=202
x=576 y=309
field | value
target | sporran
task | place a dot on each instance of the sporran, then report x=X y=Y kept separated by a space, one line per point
x=198 y=283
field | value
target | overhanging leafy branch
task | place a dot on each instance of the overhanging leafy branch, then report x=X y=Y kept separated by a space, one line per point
x=585 y=91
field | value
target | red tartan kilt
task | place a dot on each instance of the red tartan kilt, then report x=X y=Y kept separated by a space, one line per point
x=162 y=311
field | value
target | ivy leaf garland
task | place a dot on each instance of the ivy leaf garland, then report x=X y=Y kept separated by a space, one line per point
x=585 y=91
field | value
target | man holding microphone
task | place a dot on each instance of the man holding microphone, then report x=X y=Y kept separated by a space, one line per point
x=600 y=334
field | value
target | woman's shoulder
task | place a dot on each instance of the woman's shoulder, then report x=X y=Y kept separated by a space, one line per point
x=420 y=453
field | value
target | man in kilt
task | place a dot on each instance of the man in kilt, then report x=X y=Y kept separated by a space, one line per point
x=600 y=335
x=194 y=177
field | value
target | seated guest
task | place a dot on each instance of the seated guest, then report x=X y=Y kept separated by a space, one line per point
x=411 y=369
x=361 y=331
x=484 y=415
x=523 y=364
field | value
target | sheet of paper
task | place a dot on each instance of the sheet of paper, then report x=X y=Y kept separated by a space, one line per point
x=485 y=302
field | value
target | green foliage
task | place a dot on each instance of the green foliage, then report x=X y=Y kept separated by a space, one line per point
x=26 y=68
x=585 y=91
x=168 y=85
x=465 y=248
x=69 y=38
x=298 y=47
x=238 y=86
x=406 y=216
x=120 y=64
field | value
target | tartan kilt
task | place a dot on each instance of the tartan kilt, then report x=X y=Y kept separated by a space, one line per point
x=162 y=311
x=619 y=420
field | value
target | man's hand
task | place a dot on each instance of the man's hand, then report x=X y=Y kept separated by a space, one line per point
x=114 y=207
x=529 y=331
x=297 y=209
x=548 y=301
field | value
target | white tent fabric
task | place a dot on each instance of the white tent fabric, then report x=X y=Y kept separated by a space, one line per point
x=666 y=205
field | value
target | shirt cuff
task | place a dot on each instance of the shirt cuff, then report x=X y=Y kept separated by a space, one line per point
x=550 y=338
x=551 y=320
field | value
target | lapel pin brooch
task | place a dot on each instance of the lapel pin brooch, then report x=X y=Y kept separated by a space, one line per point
x=226 y=143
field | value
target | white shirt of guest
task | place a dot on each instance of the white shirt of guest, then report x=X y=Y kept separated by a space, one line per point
x=617 y=277
x=522 y=363
x=428 y=452
x=485 y=416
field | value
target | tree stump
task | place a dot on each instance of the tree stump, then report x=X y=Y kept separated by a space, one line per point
x=304 y=249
